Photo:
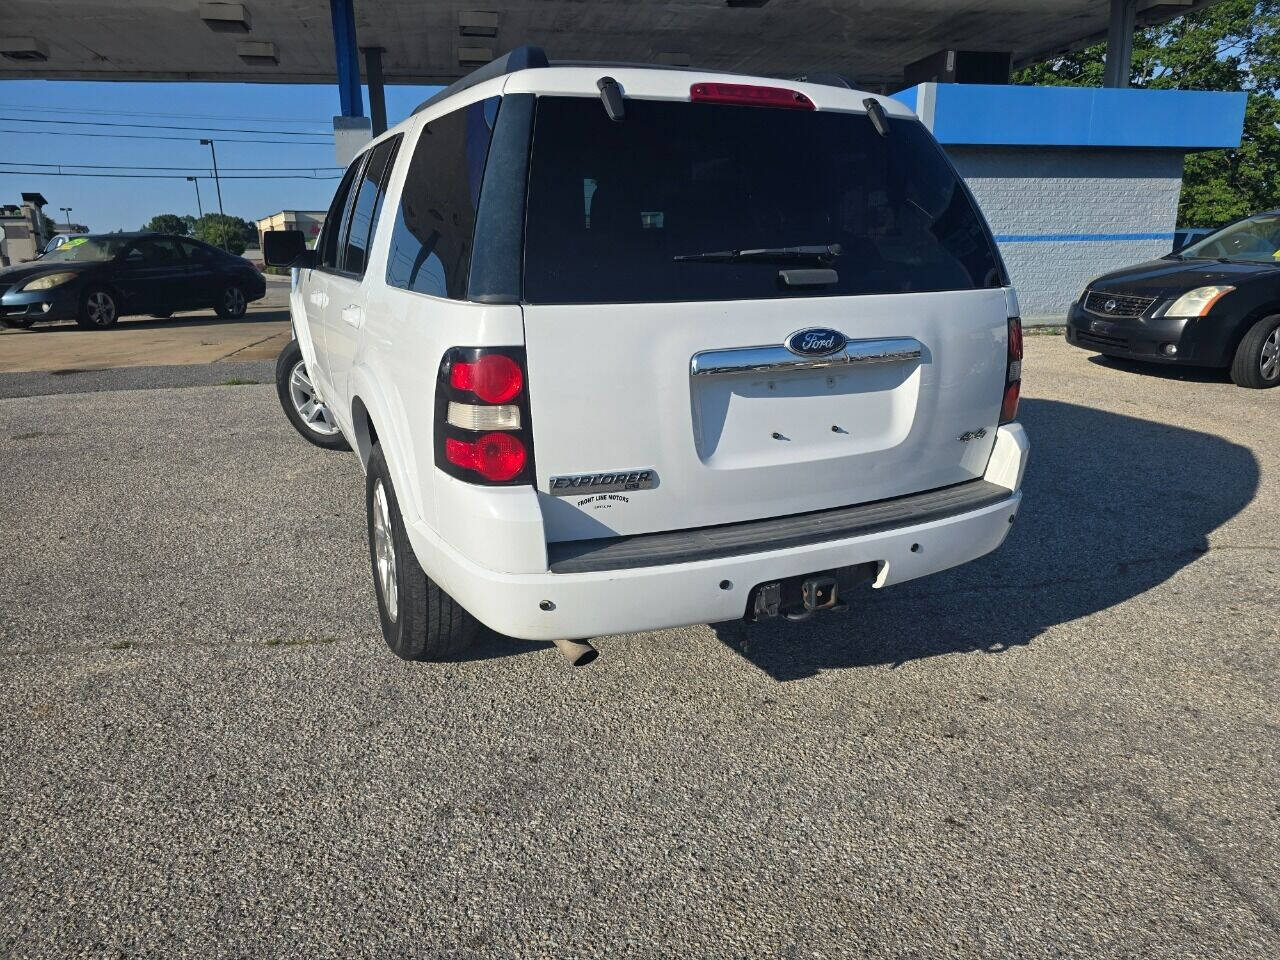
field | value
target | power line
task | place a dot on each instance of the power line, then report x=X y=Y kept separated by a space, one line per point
x=204 y=171
x=169 y=176
x=145 y=113
x=164 y=126
x=146 y=136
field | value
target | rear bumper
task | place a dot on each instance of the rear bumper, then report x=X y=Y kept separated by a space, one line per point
x=546 y=606
x=1198 y=341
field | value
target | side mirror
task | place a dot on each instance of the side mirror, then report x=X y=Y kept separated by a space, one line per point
x=286 y=248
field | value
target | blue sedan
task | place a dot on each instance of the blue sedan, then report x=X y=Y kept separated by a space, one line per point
x=96 y=279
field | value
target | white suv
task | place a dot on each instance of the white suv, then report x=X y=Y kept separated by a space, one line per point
x=623 y=348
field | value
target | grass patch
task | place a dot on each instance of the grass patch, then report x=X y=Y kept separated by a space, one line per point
x=120 y=645
x=28 y=436
x=237 y=382
x=1054 y=331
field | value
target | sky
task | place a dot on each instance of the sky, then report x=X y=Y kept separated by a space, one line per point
x=304 y=112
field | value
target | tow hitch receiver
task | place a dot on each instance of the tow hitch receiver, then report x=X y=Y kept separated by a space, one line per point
x=818 y=593
x=798 y=598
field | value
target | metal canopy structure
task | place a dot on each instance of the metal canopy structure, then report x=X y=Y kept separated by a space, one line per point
x=293 y=41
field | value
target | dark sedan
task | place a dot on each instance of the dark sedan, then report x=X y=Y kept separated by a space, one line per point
x=1214 y=304
x=98 y=278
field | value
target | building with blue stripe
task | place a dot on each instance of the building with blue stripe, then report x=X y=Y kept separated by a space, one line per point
x=1074 y=181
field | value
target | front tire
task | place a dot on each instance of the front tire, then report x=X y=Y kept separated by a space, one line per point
x=304 y=407
x=1257 y=361
x=419 y=620
x=231 y=304
x=99 y=309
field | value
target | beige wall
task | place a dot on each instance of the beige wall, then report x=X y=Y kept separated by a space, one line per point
x=308 y=221
x=21 y=237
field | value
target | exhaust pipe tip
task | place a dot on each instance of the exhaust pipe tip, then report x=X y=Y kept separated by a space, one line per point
x=579 y=653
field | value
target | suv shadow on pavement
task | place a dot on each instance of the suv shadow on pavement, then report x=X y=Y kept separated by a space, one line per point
x=1113 y=506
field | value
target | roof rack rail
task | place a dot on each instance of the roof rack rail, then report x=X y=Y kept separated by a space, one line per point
x=529 y=57
x=521 y=58
x=627 y=64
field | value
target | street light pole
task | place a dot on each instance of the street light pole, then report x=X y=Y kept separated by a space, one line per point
x=67 y=211
x=199 y=206
x=216 y=182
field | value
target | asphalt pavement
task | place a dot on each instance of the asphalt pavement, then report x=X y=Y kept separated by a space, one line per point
x=1070 y=748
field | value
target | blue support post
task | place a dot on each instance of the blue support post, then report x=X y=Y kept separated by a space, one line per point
x=346 y=57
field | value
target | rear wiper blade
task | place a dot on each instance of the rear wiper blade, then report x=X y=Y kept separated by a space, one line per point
x=823 y=252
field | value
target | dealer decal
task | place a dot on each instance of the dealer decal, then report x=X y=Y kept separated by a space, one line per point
x=601 y=501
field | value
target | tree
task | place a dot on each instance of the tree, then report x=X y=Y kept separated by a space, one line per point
x=230 y=233
x=1232 y=45
x=167 y=223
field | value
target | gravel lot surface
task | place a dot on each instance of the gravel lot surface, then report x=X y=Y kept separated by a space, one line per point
x=1068 y=749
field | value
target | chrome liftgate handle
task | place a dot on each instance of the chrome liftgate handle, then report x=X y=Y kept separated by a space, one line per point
x=777 y=358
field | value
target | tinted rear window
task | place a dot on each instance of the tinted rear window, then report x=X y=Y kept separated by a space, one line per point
x=611 y=204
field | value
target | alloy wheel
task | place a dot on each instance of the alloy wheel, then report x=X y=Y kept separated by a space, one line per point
x=1269 y=359
x=101 y=308
x=384 y=550
x=313 y=411
x=233 y=300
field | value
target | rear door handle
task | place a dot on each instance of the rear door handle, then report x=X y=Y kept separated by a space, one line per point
x=353 y=315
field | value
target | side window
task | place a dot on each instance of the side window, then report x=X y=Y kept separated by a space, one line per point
x=334 y=218
x=154 y=252
x=195 y=252
x=366 y=206
x=431 y=242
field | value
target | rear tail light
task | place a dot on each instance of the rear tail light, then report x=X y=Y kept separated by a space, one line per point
x=471 y=416
x=493 y=377
x=497 y=457
x=482 y=416
x=750 y=95
x=1012 y=373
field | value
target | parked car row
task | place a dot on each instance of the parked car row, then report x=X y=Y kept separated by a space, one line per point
x=95 y=279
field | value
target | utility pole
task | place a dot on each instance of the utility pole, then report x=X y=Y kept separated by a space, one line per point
x=216 y=182
x=67 y=211
x=199 y=206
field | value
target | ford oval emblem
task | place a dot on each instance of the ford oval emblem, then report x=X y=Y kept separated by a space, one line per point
x=816 y=342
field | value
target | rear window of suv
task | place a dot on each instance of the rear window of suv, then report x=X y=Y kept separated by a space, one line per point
x=611 y=205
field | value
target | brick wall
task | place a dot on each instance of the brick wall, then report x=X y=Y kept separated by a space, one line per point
x=1042 y=203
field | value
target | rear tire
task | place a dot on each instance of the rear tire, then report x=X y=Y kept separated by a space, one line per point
x=1257 y=361
x=99 y=309
x=419 y=620
x=232 y=304
x=305 y=408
